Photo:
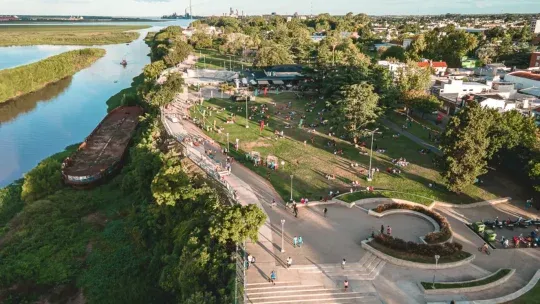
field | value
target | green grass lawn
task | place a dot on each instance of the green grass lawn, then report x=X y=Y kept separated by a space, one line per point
x=501 y=273
x=67 y=34
x=418 y=127
x=212 y=59
x=311 y=162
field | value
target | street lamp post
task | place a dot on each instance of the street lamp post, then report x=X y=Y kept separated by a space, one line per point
x=282 y=244
x=437 y=257
x=291 y=187
x=237 y=146
x=227 y=142
x=370 y=173
x=247 y=120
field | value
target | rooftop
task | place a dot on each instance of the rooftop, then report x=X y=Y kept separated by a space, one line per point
x=527 y=75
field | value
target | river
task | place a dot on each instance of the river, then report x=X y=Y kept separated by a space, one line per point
x=40 y=124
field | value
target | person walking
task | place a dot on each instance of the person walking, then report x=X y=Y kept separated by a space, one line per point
x=382 y=229
x=249 y=261
x=346 y=285
x=325 y=211
x=295 y=241
x=272 y=277
x=289 y=262
x=343 y=264
x=389 y=230
x=300 y=241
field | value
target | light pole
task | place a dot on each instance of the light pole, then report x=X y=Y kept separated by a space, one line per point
x=227 y=142
x=247 y=120
x=230 y=63
x=282 y=244
x=370 y=173
x=437 y=257
x=237 y=146
x=291 y=187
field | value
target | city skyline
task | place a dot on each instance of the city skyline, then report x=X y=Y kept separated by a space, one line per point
x=204 y=7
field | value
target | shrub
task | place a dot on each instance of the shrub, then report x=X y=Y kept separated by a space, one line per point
x=444 y=249
x=433 y=237
x=43 y=180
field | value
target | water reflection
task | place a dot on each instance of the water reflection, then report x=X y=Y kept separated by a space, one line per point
x=14 y=56
x=31 y=130
x=11 y=109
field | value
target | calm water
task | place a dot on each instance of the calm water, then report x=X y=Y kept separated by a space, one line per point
x=38 y=125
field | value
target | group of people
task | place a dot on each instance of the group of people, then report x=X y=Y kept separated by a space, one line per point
x=388 y=230
x=298 y=241
x=401 y=162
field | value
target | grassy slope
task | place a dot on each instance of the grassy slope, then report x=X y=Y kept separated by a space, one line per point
x=32 y=77
x=67 y=35
x=310 y=163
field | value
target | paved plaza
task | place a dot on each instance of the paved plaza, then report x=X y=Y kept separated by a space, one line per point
x=316 y=275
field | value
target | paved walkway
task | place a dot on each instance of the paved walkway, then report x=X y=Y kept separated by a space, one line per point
x=316 y=275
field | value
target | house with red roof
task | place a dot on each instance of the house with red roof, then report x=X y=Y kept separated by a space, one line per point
x=439 y=67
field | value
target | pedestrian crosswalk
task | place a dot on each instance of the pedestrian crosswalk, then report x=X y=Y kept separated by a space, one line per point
x=294 y=292
x=367 y=269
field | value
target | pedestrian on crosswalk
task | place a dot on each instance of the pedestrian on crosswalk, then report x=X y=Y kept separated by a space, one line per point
x=343 y=264
x=295 y=241
x=289 y=262
x=300 y=241
x=272 y=277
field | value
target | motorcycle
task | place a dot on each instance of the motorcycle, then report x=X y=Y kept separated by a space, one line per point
x=494 y=224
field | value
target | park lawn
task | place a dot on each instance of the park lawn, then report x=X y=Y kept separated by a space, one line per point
x=418 y=127
x=310 y=163
x=212 y=59
x=67 y=34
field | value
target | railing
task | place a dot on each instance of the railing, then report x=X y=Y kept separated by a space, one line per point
x=207 y=165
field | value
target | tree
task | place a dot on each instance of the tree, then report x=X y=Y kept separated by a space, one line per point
x=153 y=70
x=421 y=101
x=201 y=40
x=394 y=52
x=413 y=78
x=486 y=54
x=272 y=55
x=43 y=180
x=354 y=107
x=455 y=46
x=177 y=53
x=237 y=223
x=509 y=130
x=416 y=49
x=464 y=144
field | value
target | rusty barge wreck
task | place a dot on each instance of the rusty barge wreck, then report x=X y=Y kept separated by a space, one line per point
x=103 y=150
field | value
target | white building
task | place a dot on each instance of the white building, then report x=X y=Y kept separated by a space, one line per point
x=535 y=26
x=523 y=79
x=460 y=88
x=391 y=66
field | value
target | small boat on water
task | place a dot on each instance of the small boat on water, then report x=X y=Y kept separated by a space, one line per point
x=124 y=62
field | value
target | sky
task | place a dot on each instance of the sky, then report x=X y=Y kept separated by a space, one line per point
x=257 y=7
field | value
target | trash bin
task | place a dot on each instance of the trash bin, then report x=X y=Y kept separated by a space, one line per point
x=479 y=227
x=490 y=235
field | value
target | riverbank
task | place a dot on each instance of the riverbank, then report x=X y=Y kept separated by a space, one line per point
x=29 y=78
x=11 y=35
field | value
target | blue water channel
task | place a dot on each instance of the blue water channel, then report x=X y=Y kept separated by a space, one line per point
x=40 y=124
